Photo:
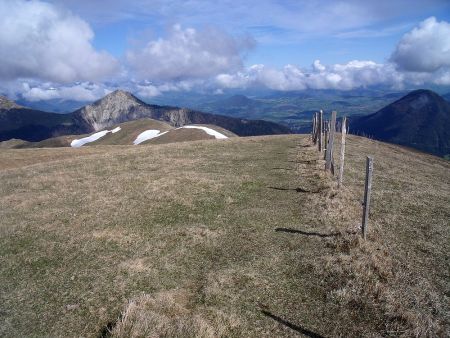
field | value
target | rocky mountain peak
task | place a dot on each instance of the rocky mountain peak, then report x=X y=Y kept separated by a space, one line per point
x=119 y=97
x=6 y=103
x=113 y=108
x=121 y=94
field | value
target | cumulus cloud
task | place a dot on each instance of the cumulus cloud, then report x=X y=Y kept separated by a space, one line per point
x=188 y=54
x=41 y=41
x=347 y=76
x=149 y=89
x=78 y=92
x=425 y=49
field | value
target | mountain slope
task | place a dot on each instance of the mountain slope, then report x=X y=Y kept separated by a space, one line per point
x=32 y=125
x=121 y=106
x=130 y=130
x=420 y=120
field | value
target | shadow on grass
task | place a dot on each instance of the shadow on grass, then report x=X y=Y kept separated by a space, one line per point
x=282 y=168
x=106 y=331
x=296 y=189
x=306 y=233
x=294 y=327
x=304 y=161
x=109 y=327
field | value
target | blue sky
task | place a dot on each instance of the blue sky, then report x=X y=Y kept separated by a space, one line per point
x=82 y=49
x=372 y=37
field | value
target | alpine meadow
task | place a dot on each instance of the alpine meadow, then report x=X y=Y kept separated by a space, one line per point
x=213 y=169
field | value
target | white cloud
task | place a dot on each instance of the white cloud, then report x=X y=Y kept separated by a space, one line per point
x=41 y=41
x=422 y=56
x=347 y=76
x=188 y=54
x=426 y=48
x=77 y=92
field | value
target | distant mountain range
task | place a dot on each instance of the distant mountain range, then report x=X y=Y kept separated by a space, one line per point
x=33 y=125
x=420 y=120
x=293 y=108
x=61 y=106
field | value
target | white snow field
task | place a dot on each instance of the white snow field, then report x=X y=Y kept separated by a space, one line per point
x=94 y=137
x=147 y=135
x=209 y=131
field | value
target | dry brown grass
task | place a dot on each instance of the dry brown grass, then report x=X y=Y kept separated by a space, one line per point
x=397 y=281
x=170 y=314
x=17 y=158
x=241 y=237
x=12 y=143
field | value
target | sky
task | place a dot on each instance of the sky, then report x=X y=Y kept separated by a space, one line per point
x=82 y=50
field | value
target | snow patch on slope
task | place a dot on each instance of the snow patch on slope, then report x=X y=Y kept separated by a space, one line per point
x=209 y=131
x=147 y=135
x=94 y=137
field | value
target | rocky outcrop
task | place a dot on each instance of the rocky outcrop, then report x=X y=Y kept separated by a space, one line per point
x=6 y=103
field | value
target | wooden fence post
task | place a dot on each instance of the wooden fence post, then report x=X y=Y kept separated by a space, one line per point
x=314 y=129
x=342 y=159
x=320 y=129
x=325 y=137
x=367 y=191
x=329 y=165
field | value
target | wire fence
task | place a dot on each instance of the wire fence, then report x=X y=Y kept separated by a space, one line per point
x=323 y=134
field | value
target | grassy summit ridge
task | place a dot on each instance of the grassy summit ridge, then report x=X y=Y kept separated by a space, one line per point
x=236 y=238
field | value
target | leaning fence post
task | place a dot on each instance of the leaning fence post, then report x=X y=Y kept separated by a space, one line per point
x=314 y=129
x=342 y=159
x=329 y=154
x=367 y=191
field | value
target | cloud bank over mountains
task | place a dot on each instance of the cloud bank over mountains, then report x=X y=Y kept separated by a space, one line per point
x=347 y=76
x=47 y=52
